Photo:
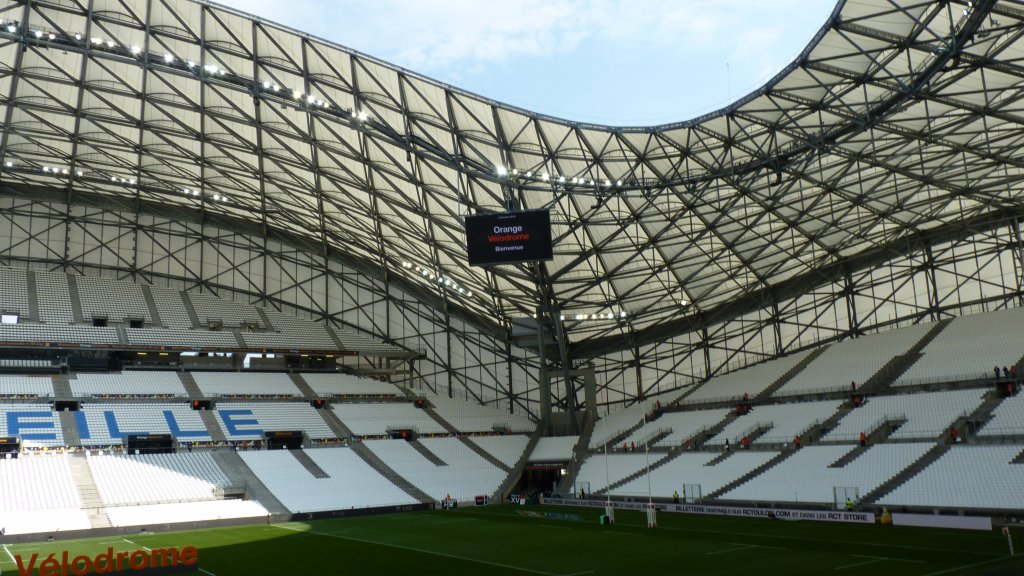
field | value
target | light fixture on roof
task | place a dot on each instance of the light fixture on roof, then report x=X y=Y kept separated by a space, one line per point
x=113 y=178
x=544 y=177
x=96 y=40
x=79 y=173
x=501 y=170
x=78 y=36
x=275 y=87
x=51 y=36
x=191 y=64
x=622 y=314
x=266 y=84
x=132 y=181
x=607 y=183
x=9 y=164
x=135 y=49
x=216 y=197
x=363 y=116
x=11 y=28
x=561 y=179
x=297 y=94
x=46 y=168
x=38 y=33
x=168 y=57
x=618 y=182
x=110 y=43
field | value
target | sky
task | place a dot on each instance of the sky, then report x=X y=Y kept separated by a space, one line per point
x=611 y=62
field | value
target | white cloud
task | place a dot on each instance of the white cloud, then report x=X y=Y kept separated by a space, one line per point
x=472 y=43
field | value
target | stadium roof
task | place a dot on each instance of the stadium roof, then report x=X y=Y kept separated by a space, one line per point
x=900 y=121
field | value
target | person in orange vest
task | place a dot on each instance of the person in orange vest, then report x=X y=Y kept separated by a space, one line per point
x=952 y=435
x=863 y=439
x=796 y=441
x=632 y=446
x=745 y=443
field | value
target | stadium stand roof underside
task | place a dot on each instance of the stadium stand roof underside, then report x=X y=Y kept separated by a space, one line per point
x=899 y=125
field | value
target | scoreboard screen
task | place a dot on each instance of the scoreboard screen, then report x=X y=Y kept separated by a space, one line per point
x=508 y=237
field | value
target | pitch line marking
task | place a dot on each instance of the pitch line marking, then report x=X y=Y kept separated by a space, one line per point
x=9 y=555
x=207 y=572
x=965 y=567
x=431 y=552
x=887 y=558
x=864 y=563
x=736 y=549
x=828 y=540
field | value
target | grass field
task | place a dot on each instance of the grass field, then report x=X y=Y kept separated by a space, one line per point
x=508 y=540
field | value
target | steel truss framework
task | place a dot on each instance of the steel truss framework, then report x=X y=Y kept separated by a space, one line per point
x=875 y=181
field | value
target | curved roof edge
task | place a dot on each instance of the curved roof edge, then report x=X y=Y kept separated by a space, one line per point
x=765 y=87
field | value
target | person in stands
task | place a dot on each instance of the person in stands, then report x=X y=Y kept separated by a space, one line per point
x=853 y=386
x=953 y=435
x=796 y=441
x=849 y=505
x=996 y=370
x=745 y=443
x=863 y=439
x=675 y=497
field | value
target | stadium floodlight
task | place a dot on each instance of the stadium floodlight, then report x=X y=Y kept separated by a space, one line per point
x=51 y=36
x=195 y=192
x=96 y=40
x=216 y=197
x=46 y=168
x=11 y=28
x=622 y=314
x=64 y=171
x=110 y=43
x=9 y=164
x=135 y=49
x=191 y=64
x=561 y=179
x=275 y=87
x=311 y=99
x=501 y=170
x=363 y=116
x=297 y=94
x=132 y=181
x=168 y=57
x=266 y=84
x=79 y=173
x=39 y=33
x=529 y=174
x=607 y=183
x=78 y=36
x=618 y=182
x=544 y=177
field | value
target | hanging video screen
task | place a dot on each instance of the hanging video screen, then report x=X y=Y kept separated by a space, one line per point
x=508 y=237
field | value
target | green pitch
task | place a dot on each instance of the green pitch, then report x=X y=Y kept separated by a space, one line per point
x=510 y=541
